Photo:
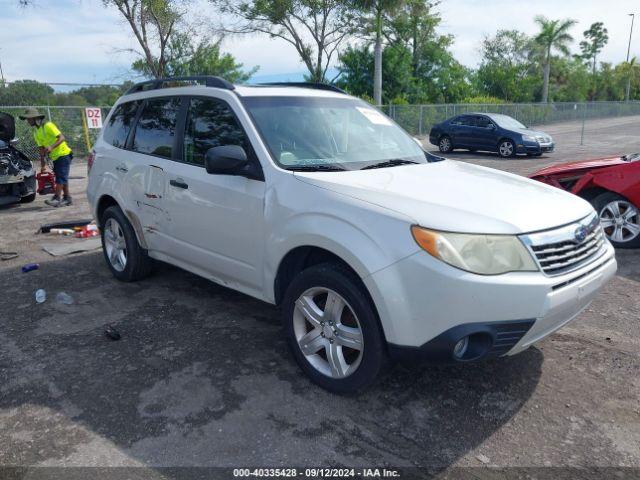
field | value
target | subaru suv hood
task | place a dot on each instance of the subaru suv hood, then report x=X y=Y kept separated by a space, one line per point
x=459 y=197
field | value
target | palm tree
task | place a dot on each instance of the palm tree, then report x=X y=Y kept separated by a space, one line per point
x=553 y=35
x=377 y=11
x=630 y=69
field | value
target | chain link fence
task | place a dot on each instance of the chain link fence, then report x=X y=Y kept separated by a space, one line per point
x=418 y=119
x=68 y=120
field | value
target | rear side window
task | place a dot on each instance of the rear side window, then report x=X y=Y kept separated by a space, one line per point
x=463 y=120
x=117 y=128
x=156 y=128
x=210 y=123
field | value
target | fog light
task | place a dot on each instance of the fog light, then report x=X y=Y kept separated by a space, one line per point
x=461 y=348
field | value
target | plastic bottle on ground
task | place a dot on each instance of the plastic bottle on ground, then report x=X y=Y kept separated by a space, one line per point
x=64 y=298
x=41 y=295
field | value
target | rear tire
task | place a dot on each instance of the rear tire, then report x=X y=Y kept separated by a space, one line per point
x=444 y=144
x=620 y=219
x=344 y=348
x=125 y=258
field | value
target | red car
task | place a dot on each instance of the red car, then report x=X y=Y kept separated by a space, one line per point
x=611 y=185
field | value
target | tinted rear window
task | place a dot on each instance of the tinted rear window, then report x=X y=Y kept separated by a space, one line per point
x=117 y=128
x=156 y=128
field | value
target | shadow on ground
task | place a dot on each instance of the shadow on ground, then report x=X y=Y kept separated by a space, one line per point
x=202 y=377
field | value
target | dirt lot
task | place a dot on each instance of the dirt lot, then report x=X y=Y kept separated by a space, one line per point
x=202 y=377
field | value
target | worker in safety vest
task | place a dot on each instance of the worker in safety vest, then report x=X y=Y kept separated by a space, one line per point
x=51 y=142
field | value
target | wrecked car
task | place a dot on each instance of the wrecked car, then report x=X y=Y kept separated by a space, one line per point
x=17 y=175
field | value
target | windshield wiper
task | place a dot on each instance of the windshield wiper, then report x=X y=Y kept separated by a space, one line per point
x=389 y=163
x=316 y=168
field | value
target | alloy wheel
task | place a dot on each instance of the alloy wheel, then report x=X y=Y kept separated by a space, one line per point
x=328 y=332
x=620 y=221
x=115 y=245
x=445 y=144
x=506 y=149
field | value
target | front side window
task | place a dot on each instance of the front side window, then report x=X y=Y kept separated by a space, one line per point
x=117 y=128
x=156 y=128
x=483 y=122
x=325 y=132
x=210 y=123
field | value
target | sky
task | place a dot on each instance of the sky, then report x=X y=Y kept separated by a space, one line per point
x=82 y=41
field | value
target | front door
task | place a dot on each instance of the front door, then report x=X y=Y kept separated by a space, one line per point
x=485 y=136
x=216 y=222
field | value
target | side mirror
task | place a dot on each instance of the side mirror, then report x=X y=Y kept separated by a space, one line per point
x=231 y=160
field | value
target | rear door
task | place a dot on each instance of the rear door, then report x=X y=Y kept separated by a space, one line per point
x=117 y=164
x=461 y=130
x=152 y=146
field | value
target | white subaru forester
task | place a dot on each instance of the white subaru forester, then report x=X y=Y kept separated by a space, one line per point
x=313 y=200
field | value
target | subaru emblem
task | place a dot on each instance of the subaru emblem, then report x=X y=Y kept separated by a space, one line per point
x=581 y=233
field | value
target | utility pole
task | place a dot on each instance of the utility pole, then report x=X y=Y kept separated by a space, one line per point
x=627 y=93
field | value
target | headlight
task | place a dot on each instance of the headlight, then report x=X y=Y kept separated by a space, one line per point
x=529 y=138
x=482 y=254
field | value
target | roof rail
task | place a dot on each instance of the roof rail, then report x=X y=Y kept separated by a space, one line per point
x=313 y=85
x=157 y=83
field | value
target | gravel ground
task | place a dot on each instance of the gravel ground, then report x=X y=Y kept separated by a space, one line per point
x=202 y=376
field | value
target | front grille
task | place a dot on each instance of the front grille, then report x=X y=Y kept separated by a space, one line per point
x=568 y=248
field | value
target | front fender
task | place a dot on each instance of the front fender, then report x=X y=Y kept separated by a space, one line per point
x=367 y=239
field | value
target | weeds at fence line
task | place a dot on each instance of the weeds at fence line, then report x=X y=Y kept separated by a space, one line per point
x=416 y=119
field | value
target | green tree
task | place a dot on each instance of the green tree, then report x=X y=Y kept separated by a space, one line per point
x=356 y=72
x=553 y=35
x=594 y=41
x=204 y=58
x=315 y=28
x=631 y=72
x=436 y=75
x=507 y=70
x=153 y=23
x=26 y=92
x=372 y=25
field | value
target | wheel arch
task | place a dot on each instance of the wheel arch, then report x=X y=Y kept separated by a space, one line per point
x=107 y=201
x=301 y=258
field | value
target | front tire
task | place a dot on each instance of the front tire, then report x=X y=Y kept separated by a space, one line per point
x=125 y=258
x=506 y=148
x=332 y=328
x=444 y=144
x=619 y=218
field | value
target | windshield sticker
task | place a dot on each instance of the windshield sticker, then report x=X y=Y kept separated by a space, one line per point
x=374 y=116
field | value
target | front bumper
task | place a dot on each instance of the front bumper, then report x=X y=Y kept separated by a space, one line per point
x=420 y=299
x=531 y=147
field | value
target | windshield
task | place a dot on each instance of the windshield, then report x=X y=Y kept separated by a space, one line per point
x=330 y=133
x=507 y=122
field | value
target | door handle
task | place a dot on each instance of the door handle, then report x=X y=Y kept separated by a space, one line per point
x=122 y=168
x=179 y=183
